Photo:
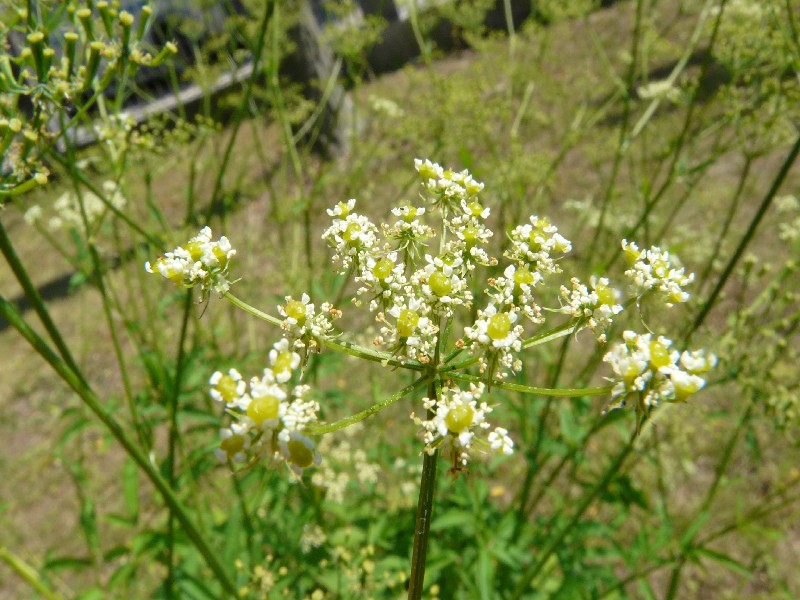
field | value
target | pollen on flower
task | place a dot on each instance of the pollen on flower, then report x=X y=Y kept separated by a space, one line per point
x=653 y=269
x=201 y=261
x=269 y=415
x=648 y=369
x=458 y=424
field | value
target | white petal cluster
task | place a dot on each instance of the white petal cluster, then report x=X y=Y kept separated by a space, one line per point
x=538 y=245
x=446 y=188
x=648 y=367
x=381 y=279
x=270 y=415
x=495 y=338
x=351 y=236
x=344 y=463
x=202 y=261
x=69 y=210
x=593 y=307
x=303 y=324
x=653 y=269
x=443 y=284
x=514 y=290
x=458 y=424
x=410 y=333
x=409 y=232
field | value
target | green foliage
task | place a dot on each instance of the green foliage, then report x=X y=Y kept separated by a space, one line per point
x=556 y=120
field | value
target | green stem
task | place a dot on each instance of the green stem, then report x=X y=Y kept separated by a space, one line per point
x=360 y=416
x=555 y=541
x=528 y=389
x=32 y=294
x=172 y=442
x=422 y=528
x=674 y=581
x=87 y=395
x=342 y=346
x=751 y=229
x=29 y=574
x=269 y=7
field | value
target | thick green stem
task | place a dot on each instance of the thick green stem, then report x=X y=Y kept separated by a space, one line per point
x=422 y=526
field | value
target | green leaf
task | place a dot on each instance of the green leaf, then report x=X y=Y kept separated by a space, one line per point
x=454 y=519
x=120 y=520
x=693 y=528
x=92 y=594
x=233 y=538
x=571 y=431
x=485 y=574
x=725 y=560
x=62 y=563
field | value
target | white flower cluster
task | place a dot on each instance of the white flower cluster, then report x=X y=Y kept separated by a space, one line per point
x=447 y=188
x=659 y=89
x=653 y=270
x=70 y=210
x=201 y=261
x=408 y=232
x=515 y=290
x=495 y=335
x=594 y=308
x=456 y=419
x=270 y=416
x=413 y=333
x=648 y=367
x=538 y=245
x=304 y=325
x=385 y=107
x=341 y=461
x=789 y=228
x=352 y=236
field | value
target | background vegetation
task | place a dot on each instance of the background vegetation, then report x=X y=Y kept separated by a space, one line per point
x=672 y=122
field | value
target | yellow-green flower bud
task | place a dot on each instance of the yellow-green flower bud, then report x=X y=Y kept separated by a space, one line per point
x=296 y=310
x=407 y=322
x=499 y=326
x=459 y=418
x=440 y=284
x=263 y=409
x=383 y=268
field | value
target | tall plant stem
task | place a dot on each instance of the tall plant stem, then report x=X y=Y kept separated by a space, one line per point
x=751 y=229
x=32 y=294
x=422 y=524
x=545 y=553
x=727 y=455
x=173 y=440
x=87 y=395
x=622 y=143
x=269 y=7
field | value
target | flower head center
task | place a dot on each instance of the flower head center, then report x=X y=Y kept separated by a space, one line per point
x=459 y=418
x=407 y=322
x=296 y=310
x=440 y=283
x=263 y=409
x=499 y=326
